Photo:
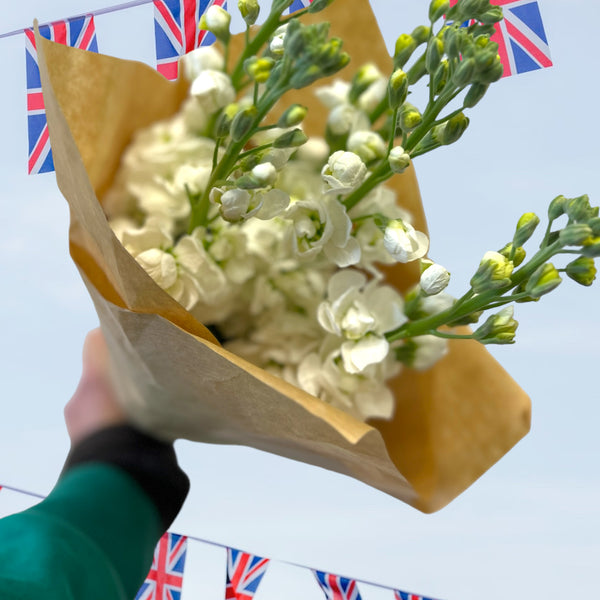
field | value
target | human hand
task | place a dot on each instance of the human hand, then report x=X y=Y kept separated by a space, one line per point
x=93 y=405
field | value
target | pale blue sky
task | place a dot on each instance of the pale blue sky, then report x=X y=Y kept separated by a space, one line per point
x=529 y=528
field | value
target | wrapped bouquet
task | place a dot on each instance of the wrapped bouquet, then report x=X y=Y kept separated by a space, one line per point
x=260 y=272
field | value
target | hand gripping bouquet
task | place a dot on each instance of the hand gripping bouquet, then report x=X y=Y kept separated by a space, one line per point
x=258 y=285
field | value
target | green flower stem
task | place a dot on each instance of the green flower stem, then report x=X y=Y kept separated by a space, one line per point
x=393 y=132
x=477 y=302
x=264 y=33
x=448 y=336
x=199 y=211
x=254 y=150
x=384 y=172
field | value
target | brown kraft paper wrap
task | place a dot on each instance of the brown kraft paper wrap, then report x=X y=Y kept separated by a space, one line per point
x=451 y=423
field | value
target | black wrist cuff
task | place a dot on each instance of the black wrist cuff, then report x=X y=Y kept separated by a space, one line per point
x=150 y=462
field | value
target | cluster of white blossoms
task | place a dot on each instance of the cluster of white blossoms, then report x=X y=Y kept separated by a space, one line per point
x=279 y=265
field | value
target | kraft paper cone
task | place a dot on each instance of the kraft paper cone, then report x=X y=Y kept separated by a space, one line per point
x=450 y=424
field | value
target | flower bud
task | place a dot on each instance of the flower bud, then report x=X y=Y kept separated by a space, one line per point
x=398 y=159
x=216 y=20
x=344 y=170
x=318 y=5
x=362 y=80
x=293 y=116
x=434 y=279
x=249 y=10
x=475 y=94
x=595 y=225
x=498 y=329
x=525 y=228
x=591 y=247
x=213 y=89
x=557 y=207
x=243 y=122
x=492 y=15
x=409 y=117
x=433 y=56
x=491 y=73
x=290 y=139
x=259 y=69
x=397 y=88
x=519 y=254
x=582 y=270
x=579 y=209
x=464 y=72
x=575 y=234
x=543 y=280
x=437 y=8
x=223 y=122
x=421 y=34
x=493 y=273
x=405 y=46
x=451 y=130
x=440 y=77
x=265 y=173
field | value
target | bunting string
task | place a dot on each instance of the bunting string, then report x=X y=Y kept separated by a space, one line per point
x=244 y=570
x=100 y=11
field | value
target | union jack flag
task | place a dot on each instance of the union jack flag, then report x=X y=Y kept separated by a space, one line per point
x=398 y=595
x=79 y=32
x=244 y=573
x=165 y=579
x=298 y=5
x=521 y=38
x=336 y=587
x=176 y=31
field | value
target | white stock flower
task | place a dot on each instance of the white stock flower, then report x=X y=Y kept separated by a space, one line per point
x=161 y=266
x=216 y=19
x=363 y=395
x=344 y=171
x=276 y=44
x=192 y=177
x=361 y=314
x=429 y=350
x=213 y=89
x=432 y=305
x=398 y=159
x=159 y=197
x=434 y=279
x=323 y=225
x=265 y=173
x=234 y=204
x=373 y=95
x=346 y=118
x=404 y=242
x=201 y=59
x=155 y=233
x=314 y=152
x=334 y=94
x=367 y=144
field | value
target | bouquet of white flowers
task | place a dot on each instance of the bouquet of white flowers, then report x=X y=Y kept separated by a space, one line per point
x=230 y=213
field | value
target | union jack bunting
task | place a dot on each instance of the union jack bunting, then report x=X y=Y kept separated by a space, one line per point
x=398 y=595
x=176 y=31
x=244 y=573
x=521 y=39
x=165 y=579
x=298 y=5
x=78 y=32
x=336 y=587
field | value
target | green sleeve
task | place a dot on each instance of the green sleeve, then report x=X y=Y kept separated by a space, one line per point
x=93 y=537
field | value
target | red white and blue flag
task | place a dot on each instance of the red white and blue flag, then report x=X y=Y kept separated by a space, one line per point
x=244 y=574
x=521 y=38
x=298 y=5
x=176 y=31
x=398 y=595
x=336 y=587
x=165 y=579
x=78 y=32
